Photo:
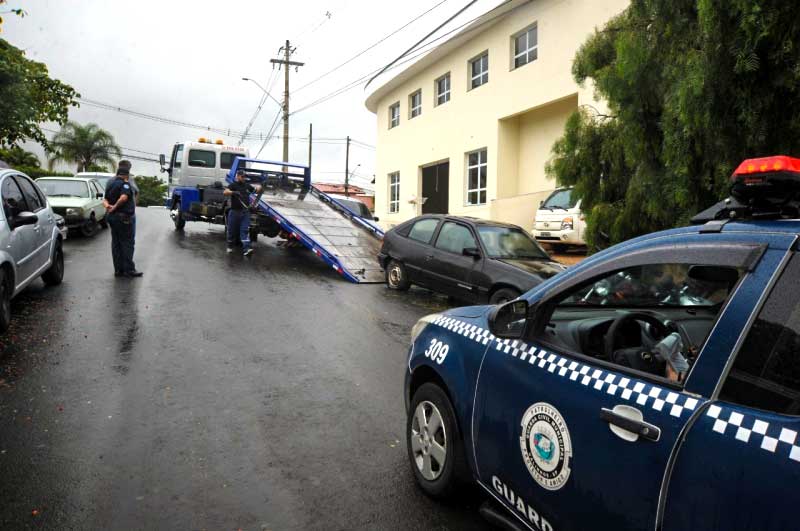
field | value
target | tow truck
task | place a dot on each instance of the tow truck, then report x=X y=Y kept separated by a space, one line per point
x=655 y=385
x=288 y=206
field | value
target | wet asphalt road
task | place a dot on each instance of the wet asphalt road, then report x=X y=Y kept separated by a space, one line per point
x=214 y=393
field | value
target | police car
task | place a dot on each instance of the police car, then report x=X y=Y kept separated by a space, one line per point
x=656 y=385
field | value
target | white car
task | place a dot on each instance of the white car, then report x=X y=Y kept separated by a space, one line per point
x=30 y=242
x=79 y=200
x=559 y=221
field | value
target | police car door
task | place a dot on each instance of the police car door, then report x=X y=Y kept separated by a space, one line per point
x=739 y=466
x=567 y=440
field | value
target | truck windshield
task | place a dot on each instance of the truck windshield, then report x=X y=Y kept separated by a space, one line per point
x=64 y=188
x=510 y=243
x=560 y=199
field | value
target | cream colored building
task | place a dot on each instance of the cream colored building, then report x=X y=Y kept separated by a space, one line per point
x=468 y=128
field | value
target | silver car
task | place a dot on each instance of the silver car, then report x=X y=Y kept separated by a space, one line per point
x=30 y=242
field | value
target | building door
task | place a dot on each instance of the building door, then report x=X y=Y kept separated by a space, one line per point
x=435 y=188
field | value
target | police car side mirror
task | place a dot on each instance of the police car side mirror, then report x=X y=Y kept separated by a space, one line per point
x=509 y=320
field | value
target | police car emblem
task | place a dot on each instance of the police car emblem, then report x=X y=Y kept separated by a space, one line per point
x=546 y=445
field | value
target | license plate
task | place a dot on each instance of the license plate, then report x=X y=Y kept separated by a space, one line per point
x=544 y=234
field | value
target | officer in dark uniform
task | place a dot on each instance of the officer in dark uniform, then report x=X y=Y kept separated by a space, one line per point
x=239 y=214
x=121 y=211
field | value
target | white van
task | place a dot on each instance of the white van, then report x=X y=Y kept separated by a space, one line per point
x=559 y=220
x=201 y=163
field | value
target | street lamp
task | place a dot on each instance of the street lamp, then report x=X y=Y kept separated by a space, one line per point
x=262 y=89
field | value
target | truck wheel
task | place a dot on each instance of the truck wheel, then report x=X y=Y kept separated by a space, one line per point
x=503 y=295
x=5 y=300
x=435 y=448
x=89 y=228
x=103 y=223
x=396 y=276
x=55 y=273
x=180 y=222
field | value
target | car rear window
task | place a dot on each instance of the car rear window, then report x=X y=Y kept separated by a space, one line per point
x=423 y=230
x=766 y=373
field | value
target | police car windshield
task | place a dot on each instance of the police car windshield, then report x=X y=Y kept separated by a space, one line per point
x=510 y=243
x=560 y=199
x=64 y=188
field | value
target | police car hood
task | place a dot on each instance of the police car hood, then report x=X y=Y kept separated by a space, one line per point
x=469 y=312
x=68 y=202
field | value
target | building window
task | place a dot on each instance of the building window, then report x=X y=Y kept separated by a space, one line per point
x=394 y=115
x=479 y=70
x=476 y=177
x=415 y=104
x=526 y=46
x=394 y=193
x=443 y=89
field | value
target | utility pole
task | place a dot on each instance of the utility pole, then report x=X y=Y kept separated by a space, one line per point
x=310 y=141
x=286 y=63
x=347 y=169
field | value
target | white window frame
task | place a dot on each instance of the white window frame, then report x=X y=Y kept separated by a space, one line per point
x=394 y=120
x=515 y=54
x=482 y=163
x=415 y=110
x=444 y=94
x=484 y=73
x=394 y=186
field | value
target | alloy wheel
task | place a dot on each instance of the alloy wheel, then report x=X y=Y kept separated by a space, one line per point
x=428 y=440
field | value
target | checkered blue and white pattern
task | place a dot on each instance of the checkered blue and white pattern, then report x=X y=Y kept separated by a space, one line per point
x=632 y=390
x=748 y=430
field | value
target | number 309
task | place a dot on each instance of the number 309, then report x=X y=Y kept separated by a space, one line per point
x=437 y=351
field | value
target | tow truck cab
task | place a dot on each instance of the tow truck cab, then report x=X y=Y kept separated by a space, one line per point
x=201 y=163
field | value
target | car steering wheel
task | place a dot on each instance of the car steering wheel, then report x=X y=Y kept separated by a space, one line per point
x=640 y=357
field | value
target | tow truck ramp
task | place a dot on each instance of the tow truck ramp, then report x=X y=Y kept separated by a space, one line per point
x=344 y=240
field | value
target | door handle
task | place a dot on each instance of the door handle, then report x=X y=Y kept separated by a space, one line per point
x=627 y=423
x=429 y=257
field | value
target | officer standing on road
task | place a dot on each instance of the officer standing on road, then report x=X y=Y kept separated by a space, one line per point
x=239 y=214
x=121 y=213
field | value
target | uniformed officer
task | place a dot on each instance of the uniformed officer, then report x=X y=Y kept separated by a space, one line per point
x=239 y=214
x=121 y=214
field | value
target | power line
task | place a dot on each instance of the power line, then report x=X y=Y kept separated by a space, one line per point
x=421 y=51
x=219 y=130
x=369 y=48
x=423 y=39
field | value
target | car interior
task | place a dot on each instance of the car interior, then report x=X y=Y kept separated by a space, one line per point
x=626 y=317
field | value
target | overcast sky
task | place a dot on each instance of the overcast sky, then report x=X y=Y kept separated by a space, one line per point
x=184 y=60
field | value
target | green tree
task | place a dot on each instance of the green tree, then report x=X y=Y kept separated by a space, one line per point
x=28 y=97
x=693 y=87
x=16 y=156
x=85 y=145
x=151 y=191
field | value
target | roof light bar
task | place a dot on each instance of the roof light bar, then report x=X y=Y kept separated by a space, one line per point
x=778 y=163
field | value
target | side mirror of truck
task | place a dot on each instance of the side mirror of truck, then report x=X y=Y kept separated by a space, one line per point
x=162 y=161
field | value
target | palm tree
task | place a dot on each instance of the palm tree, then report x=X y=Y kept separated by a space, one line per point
x=85 y=145
x=16 y=156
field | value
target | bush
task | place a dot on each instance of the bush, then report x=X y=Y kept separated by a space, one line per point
x=151 y=191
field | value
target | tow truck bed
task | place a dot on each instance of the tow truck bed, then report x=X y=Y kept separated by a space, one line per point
x=348 y=243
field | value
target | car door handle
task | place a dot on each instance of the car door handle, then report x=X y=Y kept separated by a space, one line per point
x=429 y=257
x=626 y=422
